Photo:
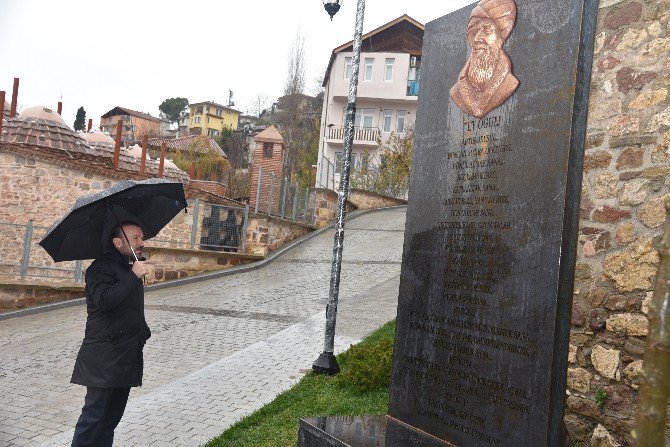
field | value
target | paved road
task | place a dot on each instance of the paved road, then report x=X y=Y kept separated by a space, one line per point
x=220 y=349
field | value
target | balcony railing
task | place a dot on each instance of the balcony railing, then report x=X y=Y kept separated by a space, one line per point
x=370 y=134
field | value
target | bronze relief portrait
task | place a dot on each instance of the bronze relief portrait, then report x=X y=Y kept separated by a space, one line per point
x=486 y=81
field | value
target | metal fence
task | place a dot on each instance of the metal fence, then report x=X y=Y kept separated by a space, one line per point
x=278 y=197
x=326 y=174
x=206 y=227
x=389 y=181
x=21 y=257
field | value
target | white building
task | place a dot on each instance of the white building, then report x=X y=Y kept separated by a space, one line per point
x=388 y=86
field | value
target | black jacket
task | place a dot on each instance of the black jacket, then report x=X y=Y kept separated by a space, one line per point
x=116 y=331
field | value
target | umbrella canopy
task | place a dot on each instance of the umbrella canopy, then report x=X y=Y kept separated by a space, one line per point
x=84 y=232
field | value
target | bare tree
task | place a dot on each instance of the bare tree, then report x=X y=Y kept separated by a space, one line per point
x=295 y=110
x=295 y=70
x=259 y=104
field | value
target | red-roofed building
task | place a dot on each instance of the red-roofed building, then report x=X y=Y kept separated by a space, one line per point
x=135 y=125
x=268 y=164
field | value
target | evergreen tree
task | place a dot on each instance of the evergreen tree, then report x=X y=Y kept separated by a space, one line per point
x=80 y=120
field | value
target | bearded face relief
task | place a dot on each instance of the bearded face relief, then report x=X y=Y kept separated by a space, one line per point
x=487 y=80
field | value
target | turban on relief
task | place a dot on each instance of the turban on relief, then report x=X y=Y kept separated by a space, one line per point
x=501 y=12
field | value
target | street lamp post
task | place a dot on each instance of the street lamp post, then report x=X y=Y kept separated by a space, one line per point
x=327 y=363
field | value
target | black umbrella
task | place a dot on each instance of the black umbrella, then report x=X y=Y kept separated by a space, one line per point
x=84 y=232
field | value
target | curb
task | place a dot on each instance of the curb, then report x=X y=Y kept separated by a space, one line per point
x=203 y=276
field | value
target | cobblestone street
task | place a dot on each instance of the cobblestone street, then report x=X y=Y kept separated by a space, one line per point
x=220 y=348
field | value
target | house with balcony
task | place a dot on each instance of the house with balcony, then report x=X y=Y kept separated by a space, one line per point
x=210 y=119
x=134 y=125
x=388 y=87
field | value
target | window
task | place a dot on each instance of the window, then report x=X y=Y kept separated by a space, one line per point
x=347 y=67
x=369 y=62
x=267 y=150
x=364 y=118
x=197 y=119
x=388 y=118
x=213 y=133
x=198 y=110
x=400 y=122
x=218 y=112
x=388 y=69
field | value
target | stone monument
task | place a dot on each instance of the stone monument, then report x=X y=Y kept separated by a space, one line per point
x=490 y=242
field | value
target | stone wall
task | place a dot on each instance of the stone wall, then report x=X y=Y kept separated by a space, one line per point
x=326 y=207
x=167 y=264
x=626 y=172
x=367 y=199
x=20 y=294
x=266 y=233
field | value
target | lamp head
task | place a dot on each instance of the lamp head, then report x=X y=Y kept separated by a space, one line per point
x=332 y=6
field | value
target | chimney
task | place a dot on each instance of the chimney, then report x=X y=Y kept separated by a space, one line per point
x=117 y=146
x=143 y=161
x=60 y=108
x=161 y=164
x=15 y=96
x=90 y=124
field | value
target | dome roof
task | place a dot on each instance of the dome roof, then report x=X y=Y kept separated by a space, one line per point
x=98 y=137
x=136 y=151
x=42 y=127
x=41 y=112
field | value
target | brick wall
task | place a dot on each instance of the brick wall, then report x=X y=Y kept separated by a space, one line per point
x=626 y=172
x=267 y=166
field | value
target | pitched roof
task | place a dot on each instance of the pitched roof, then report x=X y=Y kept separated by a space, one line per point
x=124 y=111
x=193 y=143
x=271 y=135
x=378 y=40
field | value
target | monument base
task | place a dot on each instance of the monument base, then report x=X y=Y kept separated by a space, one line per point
x=368 y=431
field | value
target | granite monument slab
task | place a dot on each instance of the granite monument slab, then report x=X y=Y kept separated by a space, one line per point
x=490 y=241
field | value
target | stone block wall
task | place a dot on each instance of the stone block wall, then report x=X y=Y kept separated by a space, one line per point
x=326 y=207
x=167 y=264
x=266 y=233
x=367 y=199
x=626 y=172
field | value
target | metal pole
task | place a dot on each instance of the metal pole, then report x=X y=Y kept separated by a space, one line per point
x=306 y=202
x=327 y=363
x=283 y=196
x=78 y=266
x=295 y=202
x=243 y=236
x=327 y=172
x=194 y=225
x=258 y=189
x=25 y=259
x=272 y=187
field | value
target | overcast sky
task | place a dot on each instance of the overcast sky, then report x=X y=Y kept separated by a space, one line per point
x=136 y=53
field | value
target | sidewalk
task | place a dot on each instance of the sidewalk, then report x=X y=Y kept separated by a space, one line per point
x=220 y=348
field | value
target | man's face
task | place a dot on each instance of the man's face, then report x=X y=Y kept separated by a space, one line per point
x=483 y=36
x=136 y=239
x=486 y=46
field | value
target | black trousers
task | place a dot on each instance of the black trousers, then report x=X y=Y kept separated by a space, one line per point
x=102 y=411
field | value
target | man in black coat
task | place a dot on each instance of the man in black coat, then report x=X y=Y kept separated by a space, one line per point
x=110 y=358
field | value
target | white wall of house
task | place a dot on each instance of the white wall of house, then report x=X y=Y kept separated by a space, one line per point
x=382 y=107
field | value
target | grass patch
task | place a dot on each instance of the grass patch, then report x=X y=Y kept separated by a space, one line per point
x=360 y=388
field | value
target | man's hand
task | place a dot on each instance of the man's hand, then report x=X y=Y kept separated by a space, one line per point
x=140 y=269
